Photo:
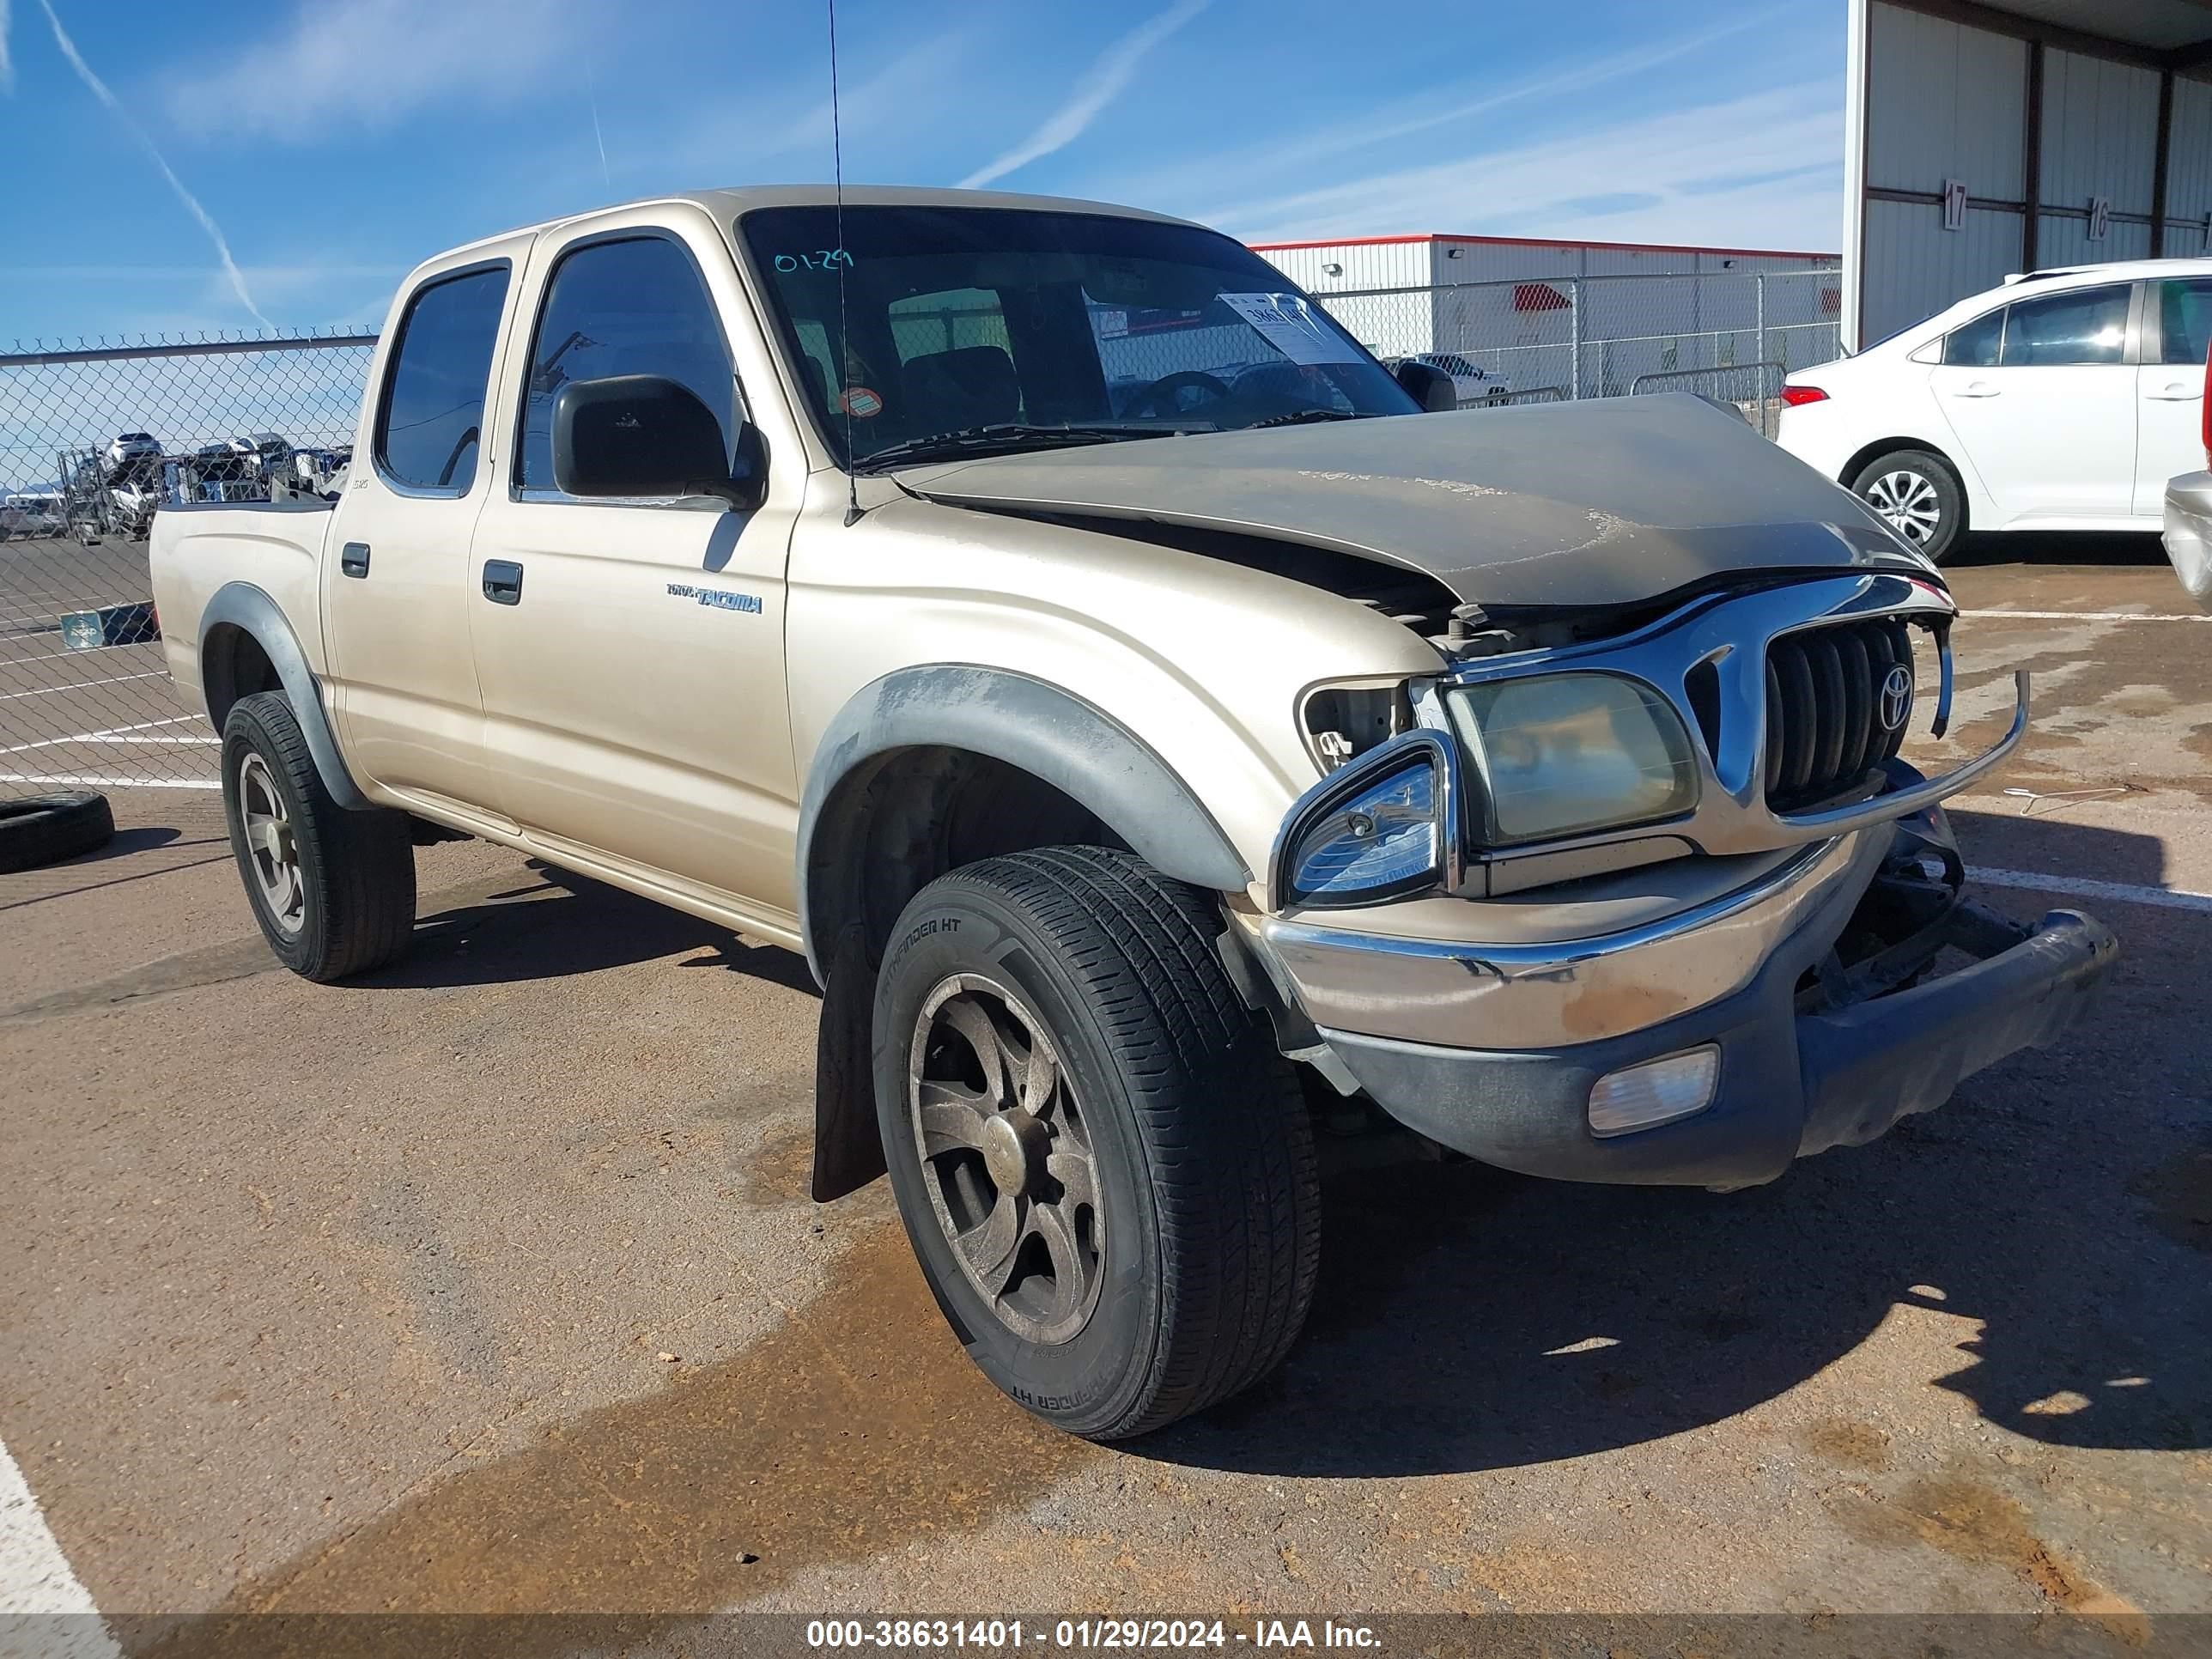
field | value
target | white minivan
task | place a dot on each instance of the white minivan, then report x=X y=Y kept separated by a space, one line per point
x=2062 y=400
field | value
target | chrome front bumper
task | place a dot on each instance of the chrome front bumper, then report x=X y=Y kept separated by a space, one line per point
x=1496 y=1052
x=1472 y=996
x=2188 y=535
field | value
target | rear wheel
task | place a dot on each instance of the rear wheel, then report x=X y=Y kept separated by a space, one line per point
x=1920 y=496
x=334 y=890
x=1105 y=1168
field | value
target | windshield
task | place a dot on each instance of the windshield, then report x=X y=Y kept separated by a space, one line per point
x=1091 y=325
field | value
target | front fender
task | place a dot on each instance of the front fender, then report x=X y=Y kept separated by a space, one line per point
x=1074 y=746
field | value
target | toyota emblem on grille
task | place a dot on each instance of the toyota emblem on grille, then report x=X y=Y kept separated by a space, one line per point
x=1896 y=698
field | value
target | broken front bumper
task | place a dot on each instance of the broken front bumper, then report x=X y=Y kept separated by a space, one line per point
x=1815 y=1049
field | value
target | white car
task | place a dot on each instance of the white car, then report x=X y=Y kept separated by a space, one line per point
x=2063 y=400
x=127 y=447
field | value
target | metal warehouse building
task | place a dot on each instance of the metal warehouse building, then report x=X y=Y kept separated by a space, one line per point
x=1985 y=139
x=1559 y=314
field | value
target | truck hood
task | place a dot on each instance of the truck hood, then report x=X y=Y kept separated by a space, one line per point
x=1616 y=501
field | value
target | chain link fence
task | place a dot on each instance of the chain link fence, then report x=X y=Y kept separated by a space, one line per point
x=94 y=438
x=1602 y=337
x=1755 y=389
x=91 y=441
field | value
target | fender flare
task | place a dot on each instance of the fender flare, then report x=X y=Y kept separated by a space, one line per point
x=253 y=613
x=1078 y=748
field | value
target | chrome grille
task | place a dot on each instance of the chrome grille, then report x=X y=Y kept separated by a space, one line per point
x=1828 y=713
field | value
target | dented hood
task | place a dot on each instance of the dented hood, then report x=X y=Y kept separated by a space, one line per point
x=1612 y=502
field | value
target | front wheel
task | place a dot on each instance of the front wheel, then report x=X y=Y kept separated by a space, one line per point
x=1920 y=496
x=1106 y=1170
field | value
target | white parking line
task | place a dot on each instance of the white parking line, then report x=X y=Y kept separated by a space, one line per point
x=2087 y=616
x=35 y=1577
x=82 y=685
x=113 y=734
x=63 y=656
x=2163 y=898
x=106 y=742
x=82 y=782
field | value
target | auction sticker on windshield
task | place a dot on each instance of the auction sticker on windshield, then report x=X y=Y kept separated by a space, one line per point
x=1289 y=322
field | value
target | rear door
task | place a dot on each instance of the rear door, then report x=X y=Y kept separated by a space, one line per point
x=2170 y=386
x=2043 y=402
x=631 y=652
x=395 y=582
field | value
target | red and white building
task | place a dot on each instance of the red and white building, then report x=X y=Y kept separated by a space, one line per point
x=1537 y=311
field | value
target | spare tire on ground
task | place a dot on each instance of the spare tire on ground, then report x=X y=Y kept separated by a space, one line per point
x=37 y=829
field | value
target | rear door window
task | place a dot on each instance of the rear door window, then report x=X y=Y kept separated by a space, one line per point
x=2185 y=319
x=2089 y=325
x=1974 y=345
x=430 y=429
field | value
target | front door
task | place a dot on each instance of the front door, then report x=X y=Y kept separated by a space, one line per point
x=631 y=653
x=2046 y=411
x=2170 y=388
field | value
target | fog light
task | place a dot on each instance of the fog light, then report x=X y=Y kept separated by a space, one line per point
x=1657 y=1092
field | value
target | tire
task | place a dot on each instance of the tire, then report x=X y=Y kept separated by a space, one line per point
x=1904 y=486
x=1187 y=1274
x=37 y=829
x=334 y=893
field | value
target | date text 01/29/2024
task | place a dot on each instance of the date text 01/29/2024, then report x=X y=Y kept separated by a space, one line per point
x=1011 y=1634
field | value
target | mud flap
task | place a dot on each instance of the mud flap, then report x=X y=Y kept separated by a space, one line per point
x=849 y=1146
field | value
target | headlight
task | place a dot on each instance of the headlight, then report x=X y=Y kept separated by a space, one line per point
x=1380 y=827
x=1562 y=754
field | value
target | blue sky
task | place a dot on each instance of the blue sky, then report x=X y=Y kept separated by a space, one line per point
x=289 y=160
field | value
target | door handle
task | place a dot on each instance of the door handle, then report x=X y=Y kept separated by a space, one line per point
x=1977 y=389
x=502 y=581
x=353 y=559
x=2178 y=392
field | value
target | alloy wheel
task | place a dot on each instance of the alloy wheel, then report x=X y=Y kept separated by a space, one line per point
x=1908 y=500
x=1006 y=1158
x=272 y=849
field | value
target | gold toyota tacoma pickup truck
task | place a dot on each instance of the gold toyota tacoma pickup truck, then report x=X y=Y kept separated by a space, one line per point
x=1141 y=708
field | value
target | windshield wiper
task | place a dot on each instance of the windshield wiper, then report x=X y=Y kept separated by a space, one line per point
x=1008 y=437
x=1300 y=416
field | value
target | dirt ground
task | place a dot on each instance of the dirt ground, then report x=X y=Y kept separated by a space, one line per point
x=491 y=1282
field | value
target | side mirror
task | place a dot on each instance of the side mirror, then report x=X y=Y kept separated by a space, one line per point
x=632 y=436
x=1431 y=387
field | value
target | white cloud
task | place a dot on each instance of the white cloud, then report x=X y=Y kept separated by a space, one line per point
x=887 y=95
x=7 y=63
x=1546 y=188
x=1107 y=79
x=99 y=89
x=370 y=63
x=1250 y=166
x=761 y=127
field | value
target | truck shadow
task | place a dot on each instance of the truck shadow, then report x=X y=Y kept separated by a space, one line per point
x=2056 y=1215
x=497 y=932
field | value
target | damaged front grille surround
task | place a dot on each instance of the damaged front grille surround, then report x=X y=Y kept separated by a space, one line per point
x=1710 y=661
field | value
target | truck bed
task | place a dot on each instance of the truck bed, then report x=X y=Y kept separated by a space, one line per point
x=196 y=548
